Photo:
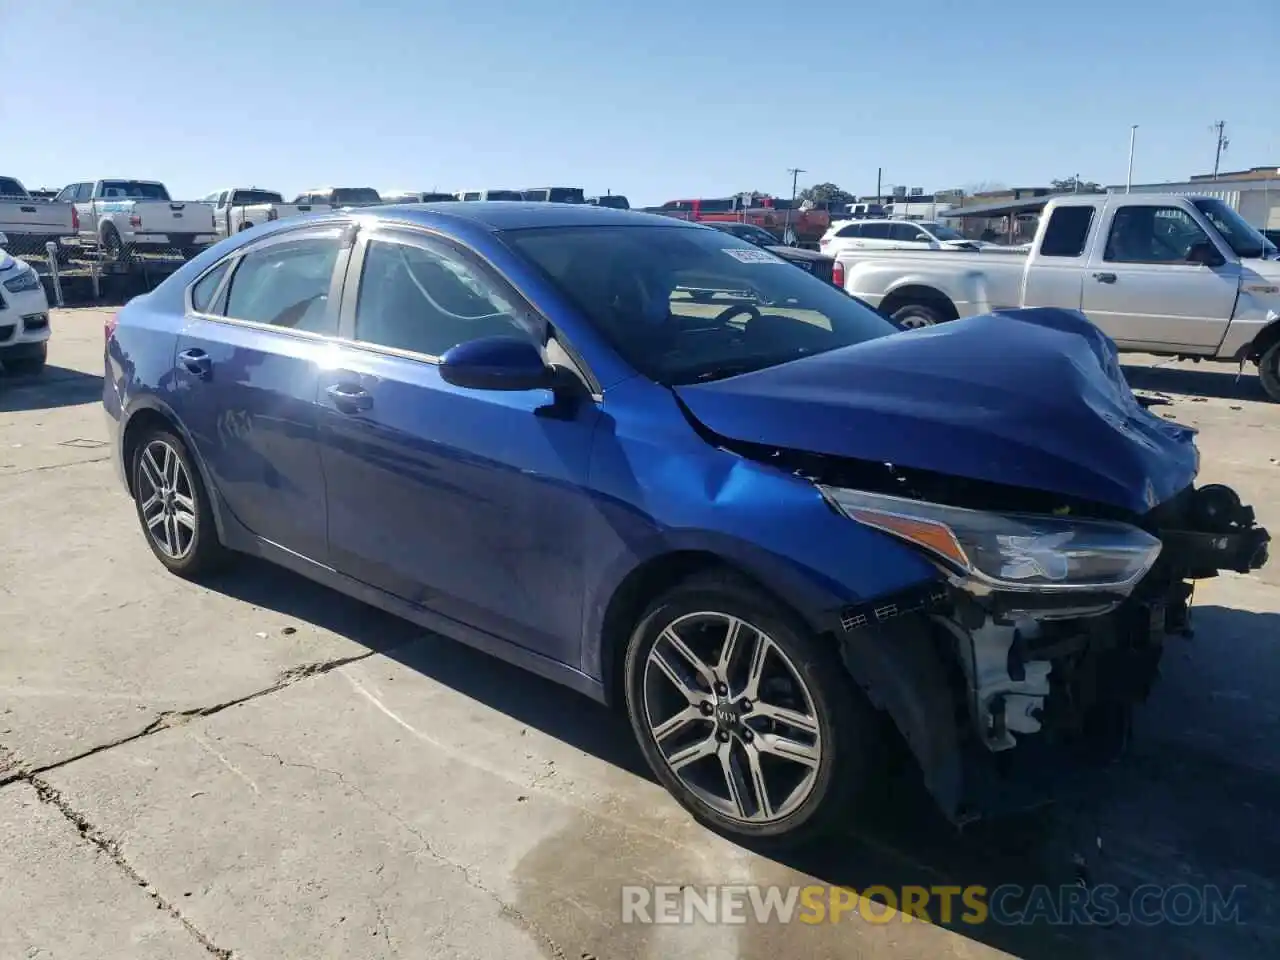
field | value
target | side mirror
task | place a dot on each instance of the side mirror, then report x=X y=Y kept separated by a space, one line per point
x=1205 y=254
x=497 y=363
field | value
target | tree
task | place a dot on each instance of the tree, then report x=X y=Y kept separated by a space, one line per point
x=825 y=193
x=1075 y=185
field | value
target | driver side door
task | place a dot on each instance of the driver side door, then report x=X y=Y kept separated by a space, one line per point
x=1142 y=292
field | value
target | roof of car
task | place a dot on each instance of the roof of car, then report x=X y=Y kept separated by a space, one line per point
x=513 y=215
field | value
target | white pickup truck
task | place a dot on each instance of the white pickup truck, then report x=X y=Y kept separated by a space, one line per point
x=27 y=223
x=125 y=217
x=1170 y=275
x=239 y=208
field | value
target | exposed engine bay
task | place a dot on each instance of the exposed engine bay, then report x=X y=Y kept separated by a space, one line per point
x=976 y=676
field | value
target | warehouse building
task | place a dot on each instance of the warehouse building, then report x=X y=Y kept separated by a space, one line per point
x=1254 y=193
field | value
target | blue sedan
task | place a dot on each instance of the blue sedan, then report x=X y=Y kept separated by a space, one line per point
x=650 y=461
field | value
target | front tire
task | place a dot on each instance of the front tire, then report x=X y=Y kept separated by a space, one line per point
x=173 y=507
x=1269 y=371
x=747 y=718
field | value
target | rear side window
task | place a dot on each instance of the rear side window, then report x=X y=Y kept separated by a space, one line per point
x=202 y=293
x=876 y=231
x=1067 y=232
x=286 y=285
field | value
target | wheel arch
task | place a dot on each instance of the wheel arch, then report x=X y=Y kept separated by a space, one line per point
x=918 y=292
x=1267 y=337
x=149 y=415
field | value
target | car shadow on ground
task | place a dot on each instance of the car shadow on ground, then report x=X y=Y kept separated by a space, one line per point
x=1197 y=380
x=1172 y=813
x=52 y=387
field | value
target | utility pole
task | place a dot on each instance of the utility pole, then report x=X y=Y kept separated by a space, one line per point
x=795 y=175
x=1133 y=135
x=879 y=172
x=1223 y=142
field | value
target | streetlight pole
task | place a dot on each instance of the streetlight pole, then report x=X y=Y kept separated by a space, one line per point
x=795 y=176
x=1133 y=135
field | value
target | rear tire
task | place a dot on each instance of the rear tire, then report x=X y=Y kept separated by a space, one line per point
x=803 y=741
x=173 y=506
x=916 y=315
x=113 y=247
x=1269 y=371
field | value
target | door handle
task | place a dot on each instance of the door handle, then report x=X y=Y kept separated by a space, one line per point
x=196 y=361
x=1105 y=277
x=350 y=399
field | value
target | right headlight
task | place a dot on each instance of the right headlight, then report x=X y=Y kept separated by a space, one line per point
x=1008 y=551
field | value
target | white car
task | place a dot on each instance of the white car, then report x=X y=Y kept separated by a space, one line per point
x=24 y=316
x=845 y=235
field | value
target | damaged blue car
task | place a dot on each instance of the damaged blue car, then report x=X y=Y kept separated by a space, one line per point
x=658 y=465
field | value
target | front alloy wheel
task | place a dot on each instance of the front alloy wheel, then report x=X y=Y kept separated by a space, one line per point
x=732 y=717
x=744 y=714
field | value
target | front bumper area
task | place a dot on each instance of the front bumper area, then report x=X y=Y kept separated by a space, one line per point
x=1001 y=699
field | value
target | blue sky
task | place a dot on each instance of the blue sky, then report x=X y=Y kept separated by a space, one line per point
x=658 y=99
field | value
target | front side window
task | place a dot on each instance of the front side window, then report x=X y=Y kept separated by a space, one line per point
x=84 y=191
x=286 y=285
x=682 y=305
x=1152 y=235
x=426 y=301
x=876 y=231
x=909 y=233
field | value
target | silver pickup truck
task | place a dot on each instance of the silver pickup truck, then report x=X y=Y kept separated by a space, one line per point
x=1170 y=275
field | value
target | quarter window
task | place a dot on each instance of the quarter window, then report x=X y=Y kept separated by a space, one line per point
x=202 y=293
x=286 y=285
x=1067 y=232
x=417 y=299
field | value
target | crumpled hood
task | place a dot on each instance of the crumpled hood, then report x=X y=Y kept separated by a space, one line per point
x=1033 y=398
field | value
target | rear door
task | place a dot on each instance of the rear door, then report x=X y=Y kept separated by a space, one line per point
x=466 y=502
x=259 y=330
x=1142 y=289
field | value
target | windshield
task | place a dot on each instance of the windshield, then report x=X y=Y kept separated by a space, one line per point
x=1243 y=239
x=567 y=195
x=614 y=201
x=942 y=232
x=133 y=190
x=11 y=188
x=683 y=305
x=355 y=196
x=256 y=196
x=504 y=195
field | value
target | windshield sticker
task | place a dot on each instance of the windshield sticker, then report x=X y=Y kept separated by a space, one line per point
x=752 y=256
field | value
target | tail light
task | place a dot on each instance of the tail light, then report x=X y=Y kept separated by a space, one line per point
x=109 y=326
x=75 y=218
x=135 y=221
x=837 y=274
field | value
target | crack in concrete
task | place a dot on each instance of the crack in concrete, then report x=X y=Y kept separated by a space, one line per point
x=111 y=848
x=11 y=770
x=54 y=466
x=467 y=873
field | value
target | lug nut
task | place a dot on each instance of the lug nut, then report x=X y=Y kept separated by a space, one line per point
x=706 y=709
x=722 y=736
x=721 y=690
x=745 y=706
x=747 y=735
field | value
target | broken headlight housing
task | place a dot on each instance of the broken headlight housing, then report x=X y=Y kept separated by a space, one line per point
x=1009 y=552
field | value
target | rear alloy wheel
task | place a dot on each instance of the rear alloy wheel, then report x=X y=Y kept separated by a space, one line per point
x=173 y=507
x=746 y=718
x=916 y=315
x=1269 y=371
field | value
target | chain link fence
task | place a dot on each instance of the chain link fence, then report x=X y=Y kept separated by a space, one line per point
x=83 y=270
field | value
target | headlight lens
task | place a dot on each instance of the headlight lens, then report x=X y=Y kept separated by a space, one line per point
x=1026 y=552
x=26 y=280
